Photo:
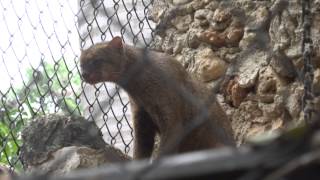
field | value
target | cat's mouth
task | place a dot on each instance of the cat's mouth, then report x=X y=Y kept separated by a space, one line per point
x=92 y=78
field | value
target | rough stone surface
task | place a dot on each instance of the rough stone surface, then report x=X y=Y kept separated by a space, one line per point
x=248 y=66
x=283 y=65
x=71 y=158
x=268 y=82
x=293 y=103
x=213 y=38
x=248 y=39
x=316 y=81
x=45 y=138
x=180 y=2
x=234 y=35
x=210 y=66
x=243 y=119
x=257 y=44
x=181 y=23
x=220 y=19
x=234 y=93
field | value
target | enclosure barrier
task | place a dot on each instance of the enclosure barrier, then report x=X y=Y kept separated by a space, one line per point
x=39 y=61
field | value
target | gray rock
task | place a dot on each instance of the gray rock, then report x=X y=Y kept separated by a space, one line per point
x=182 y=23
x=293 y=101
x=213 y=5
x=202 y=17
x=203 y=14
x=199 y=4
x=157 y=12
x=210 y=67
x=259 y=18
x=180 y=41
x=192 y=39
x=180 y=2
x=272 y=111
x=316 y=81
x=248 y=40
x=248 y=67
x=169 y=41
x=156 y=43
x=67 y=159
x=220 y=19
x=268 y=82
x=187 y=59
x=283 y=65
x=230 y=55
x=48 y=134
x=242 y=119
x=284 y=34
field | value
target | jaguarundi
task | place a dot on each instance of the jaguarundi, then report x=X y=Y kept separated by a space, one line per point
x=164 y=99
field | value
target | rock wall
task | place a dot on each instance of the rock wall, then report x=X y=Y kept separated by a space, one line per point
x=250 y=50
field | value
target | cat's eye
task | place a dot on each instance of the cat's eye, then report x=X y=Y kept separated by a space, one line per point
x=96 y=62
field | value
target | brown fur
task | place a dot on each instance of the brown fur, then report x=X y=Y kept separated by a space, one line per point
x=163 y=97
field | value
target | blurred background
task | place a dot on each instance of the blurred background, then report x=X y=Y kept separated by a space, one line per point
x=39 y=52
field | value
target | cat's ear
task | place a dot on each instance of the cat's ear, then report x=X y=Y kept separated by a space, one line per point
x=116 y=42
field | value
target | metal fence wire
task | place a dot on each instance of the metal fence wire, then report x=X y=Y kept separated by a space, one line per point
x=39 y=70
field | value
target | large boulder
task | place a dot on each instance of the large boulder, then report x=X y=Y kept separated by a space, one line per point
x=59 y=144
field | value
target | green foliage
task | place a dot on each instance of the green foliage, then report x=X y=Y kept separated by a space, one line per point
x=50 y=88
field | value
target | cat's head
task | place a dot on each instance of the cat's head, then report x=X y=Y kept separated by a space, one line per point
x=103 y=61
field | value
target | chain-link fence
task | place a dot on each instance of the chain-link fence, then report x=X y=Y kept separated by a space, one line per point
x=100 y=21
x=39 y=52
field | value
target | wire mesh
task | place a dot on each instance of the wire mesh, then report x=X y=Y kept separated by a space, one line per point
x=39 y=62
x=39 y=53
